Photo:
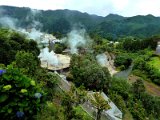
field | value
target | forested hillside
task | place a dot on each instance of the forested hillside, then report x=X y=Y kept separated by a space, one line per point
x=111 y=26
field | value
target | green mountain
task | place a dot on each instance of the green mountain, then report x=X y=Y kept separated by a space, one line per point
x=140 y=26
x=64 y=20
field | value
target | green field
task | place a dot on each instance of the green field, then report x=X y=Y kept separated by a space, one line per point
x=155 y=62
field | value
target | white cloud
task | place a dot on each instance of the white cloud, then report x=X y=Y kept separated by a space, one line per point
x=149 y=6
x=99 y=7
x=141 y=7
x=37 y=4
x=119 y=4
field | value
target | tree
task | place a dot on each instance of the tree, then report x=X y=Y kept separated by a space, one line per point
x=59 y=48
x=121 y=87
x=138 y=88
x=118 y=101
x=151 y=104
x=139 y=63
x=61 y=25
x=12 y=42
x=73 y=98
x=48 y=80
x=99 y=103
x=27 y=61
x=86 y=71
x=123 y=60
x=137 y=110
x=32 y=47
x=58 y=35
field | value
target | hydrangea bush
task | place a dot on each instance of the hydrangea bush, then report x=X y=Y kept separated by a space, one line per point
x=20 y=96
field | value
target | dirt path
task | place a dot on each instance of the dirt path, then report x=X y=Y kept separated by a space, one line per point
x=151 y=88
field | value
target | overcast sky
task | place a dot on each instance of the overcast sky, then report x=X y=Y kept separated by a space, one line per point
x=98 y=7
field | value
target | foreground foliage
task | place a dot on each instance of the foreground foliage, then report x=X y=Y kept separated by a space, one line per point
x=20 y=96
x=12 y=42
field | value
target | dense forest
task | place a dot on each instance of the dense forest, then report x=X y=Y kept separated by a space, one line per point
x=111 y=26
x=29 y=91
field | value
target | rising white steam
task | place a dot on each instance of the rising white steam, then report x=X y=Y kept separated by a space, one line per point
x=49 y=57
x=32 y=33
x=8 y=22
x=77 y=38
x=102 y=59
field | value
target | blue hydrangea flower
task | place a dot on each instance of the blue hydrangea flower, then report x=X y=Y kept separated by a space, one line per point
x=19 y=114
x=37 y=95
x=2 y=71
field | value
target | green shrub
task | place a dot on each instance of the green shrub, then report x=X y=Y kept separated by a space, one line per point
x=123 y=61
x=20 y=95
x=69 y=77
x=51 y=111
x=80 y=114
x=121 y=87
x=48 y=81
x=137 y=110
x=118 y=100
x=59 y=48
x=122 y=67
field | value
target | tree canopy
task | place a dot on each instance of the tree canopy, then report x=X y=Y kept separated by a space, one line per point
x=12 y=42
x=86 y=71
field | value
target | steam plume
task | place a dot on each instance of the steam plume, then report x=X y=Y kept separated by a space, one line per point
x=32 y=33
x=8 y=22
x=49 y=57
x=77 y=38
x=102 y=59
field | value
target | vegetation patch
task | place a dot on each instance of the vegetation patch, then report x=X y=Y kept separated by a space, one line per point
x=155 y=62
x=152 y=88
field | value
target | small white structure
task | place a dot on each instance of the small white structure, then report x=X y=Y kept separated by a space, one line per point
x=158 y=48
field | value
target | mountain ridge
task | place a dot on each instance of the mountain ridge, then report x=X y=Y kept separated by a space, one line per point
x=63 y=21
